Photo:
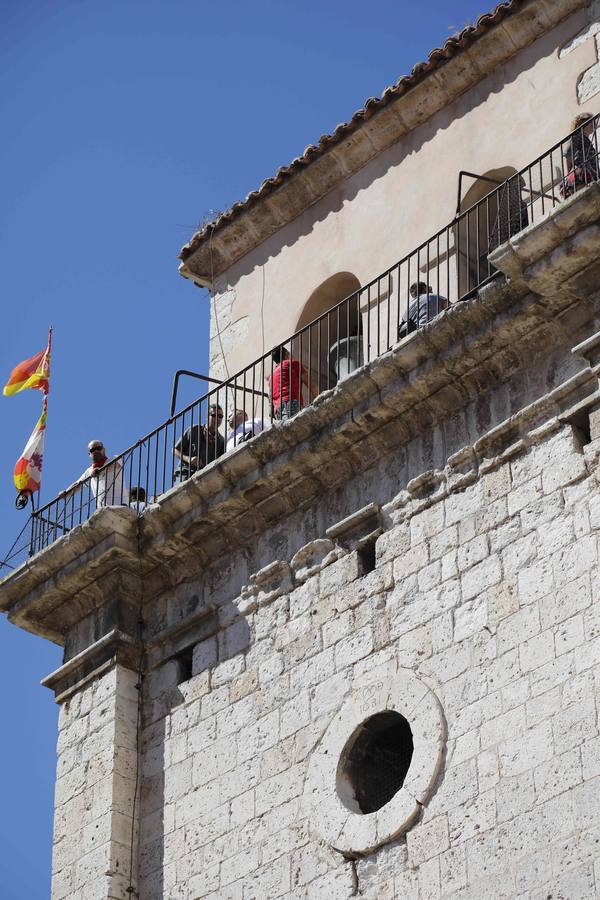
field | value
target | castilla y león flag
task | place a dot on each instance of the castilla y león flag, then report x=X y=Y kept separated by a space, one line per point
x=31 y=373
x=28 y=469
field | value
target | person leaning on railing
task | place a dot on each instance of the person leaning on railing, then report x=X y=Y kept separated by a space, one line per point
x=423 y=307
x=580 y=155
x=242 y=428
x=200 y=444
x=104 y=476
x=286 y=384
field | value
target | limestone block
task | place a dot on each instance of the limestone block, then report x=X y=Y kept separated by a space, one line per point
x=553 y=673
x=572 y=598
x=473 y=818
x=575 y=724
x=412 y=561
x=443 y=542
x=536 y=651
x=428 y=840
x=519 y=626
x=429 y=576
x=532 y=871
x=233 y=717
x=204 y=656
x=488 y=770
x=481 y=576
x=502 y=600
x=572 y=561
x=258 y=736
x=494 y=731
x=520 y=554
x=470 y=618
x=579 y=883
x=279 y=789
x=349 y=650
x=558 y=775
x=207 y=767
x=526 y=751
x=587 y=655
x=569 y=634
x=339 y=573
x=393 y=543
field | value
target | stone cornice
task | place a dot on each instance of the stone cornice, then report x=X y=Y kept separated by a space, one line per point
x=115 y=646
x=553 y=272
x=280 y=200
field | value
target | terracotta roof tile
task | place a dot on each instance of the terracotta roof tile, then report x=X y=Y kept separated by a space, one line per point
x=437 y=57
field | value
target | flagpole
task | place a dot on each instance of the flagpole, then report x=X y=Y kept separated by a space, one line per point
x=47 y=391
x=45 y=406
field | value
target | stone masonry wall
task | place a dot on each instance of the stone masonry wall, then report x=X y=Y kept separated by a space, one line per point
x=95 y=784
x=490 y=595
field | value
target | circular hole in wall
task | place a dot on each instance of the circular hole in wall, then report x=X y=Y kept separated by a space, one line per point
x=374 y=762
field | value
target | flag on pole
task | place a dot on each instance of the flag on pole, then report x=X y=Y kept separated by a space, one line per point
x=28 y=469
x=31 y=373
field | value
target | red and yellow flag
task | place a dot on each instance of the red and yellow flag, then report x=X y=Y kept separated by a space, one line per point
x=28 y=469
x=31 y=373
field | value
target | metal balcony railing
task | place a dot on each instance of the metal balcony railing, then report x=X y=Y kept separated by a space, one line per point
x=445 y=269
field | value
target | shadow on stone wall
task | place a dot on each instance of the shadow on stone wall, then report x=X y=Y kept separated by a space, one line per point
x=180 y=700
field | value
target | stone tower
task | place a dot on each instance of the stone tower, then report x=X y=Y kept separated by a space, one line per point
x=359 y=653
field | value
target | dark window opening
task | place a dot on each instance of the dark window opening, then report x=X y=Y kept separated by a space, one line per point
x=184 y=664
x=374 y=762
x=366 y=558
x=581 y=429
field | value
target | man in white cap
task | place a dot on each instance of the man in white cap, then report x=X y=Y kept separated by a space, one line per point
x=104 y=478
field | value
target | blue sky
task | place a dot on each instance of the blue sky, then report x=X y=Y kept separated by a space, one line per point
x=124 y=123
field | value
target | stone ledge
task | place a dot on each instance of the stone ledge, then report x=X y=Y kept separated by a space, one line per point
x=116 y=646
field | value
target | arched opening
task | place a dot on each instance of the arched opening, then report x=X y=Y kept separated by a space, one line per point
x=331 y=346
x=483 y=226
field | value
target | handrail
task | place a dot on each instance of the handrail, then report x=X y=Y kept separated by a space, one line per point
x=444 y=269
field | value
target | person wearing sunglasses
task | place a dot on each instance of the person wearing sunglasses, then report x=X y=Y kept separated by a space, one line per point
x=199 y=445
x=103 y=479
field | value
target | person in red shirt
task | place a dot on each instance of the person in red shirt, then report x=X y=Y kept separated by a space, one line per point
x=286 y=384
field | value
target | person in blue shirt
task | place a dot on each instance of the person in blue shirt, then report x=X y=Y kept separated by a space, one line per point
x=422 y=308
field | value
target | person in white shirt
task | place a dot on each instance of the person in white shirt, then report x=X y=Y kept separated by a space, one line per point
x=105 y=479
x=242 y=428
x=137 y=499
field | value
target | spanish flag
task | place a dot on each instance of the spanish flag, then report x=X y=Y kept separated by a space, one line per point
x=31 y=373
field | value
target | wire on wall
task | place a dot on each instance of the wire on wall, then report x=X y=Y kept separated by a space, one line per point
x=212 y=284
x=138 y=686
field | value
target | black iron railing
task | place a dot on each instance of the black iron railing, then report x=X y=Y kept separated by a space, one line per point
x=445 y=269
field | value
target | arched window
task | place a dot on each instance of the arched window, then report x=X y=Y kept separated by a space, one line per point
x=489 y=216
x=330 y=346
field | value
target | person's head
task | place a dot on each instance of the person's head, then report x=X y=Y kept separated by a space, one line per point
x=279 y=354
x=236 y=417
x=418 y=288
x=97 y=451
x=581 y=120
x=215 y=416
x=137 y=494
